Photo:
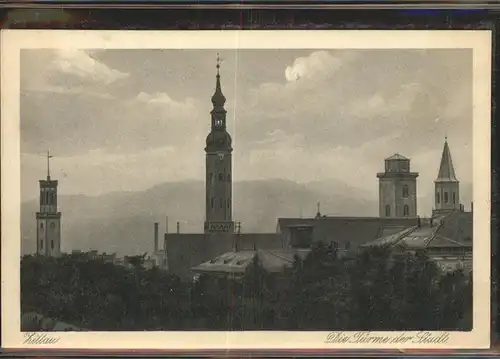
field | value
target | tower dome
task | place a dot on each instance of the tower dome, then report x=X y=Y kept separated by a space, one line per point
x=218 y=140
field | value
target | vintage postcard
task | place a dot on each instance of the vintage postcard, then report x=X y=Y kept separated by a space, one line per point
x=245 y=190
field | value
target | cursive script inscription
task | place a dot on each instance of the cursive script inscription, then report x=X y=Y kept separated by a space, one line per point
x=396 y=338
x=39 y=338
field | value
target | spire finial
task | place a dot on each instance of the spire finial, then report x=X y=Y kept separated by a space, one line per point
x=49 y=156
x=218 y=64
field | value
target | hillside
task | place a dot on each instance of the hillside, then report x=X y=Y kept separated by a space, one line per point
x=122 y=222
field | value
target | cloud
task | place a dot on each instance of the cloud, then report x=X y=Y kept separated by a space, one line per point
x=83 y=65
x=326 y=114
x=316 y=65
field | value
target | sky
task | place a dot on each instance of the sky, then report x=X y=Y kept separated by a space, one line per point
x=126 y=120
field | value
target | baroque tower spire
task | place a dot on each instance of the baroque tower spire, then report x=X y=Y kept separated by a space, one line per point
x=218 y=149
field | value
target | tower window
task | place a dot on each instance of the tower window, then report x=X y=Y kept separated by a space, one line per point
x=405 y=191
x=47 y=197
x=446 y=197
x=221 y=177
x=437 y=198
x=41 y=225
x=41 y=244
x=406 y=210
x=52 y=225
x=51 y=244
x=387 y=211
x=347 y=245
x=228 y=204
x=453 y=197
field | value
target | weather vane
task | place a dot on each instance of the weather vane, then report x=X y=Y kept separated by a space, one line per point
x=49 y=156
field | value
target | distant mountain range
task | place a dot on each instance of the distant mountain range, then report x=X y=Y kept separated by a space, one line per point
x=122 y=222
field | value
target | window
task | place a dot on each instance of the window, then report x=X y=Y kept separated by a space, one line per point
x=347 y=245
x=220 y=177
x=221 y=202
x=52 y=225
x=437 y=198
x=212 y=202
x=454 y=199
x=41 y=225
x=229 y=177
x=41 y=244
x=51 y=244
x=335 y=245
x=405 y=191
x=406 y=210
x=387 y=211
x=229 y=204
x=47 y=197
x=446 y=197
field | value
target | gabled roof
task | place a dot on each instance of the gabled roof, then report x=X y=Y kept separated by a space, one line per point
x=187 y=250
x=446 y=170
x=238 y=262
x=452 y=230
x=396 y=156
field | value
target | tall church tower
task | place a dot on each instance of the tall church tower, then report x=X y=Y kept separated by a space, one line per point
x=48 y=219
x=218 y=179
x=397 y=188
x=447 y=195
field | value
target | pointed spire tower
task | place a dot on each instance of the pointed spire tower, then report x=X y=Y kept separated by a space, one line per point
x=218 y=189
x=446 y=185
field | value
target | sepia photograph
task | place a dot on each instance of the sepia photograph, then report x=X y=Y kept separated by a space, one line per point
x=333 y=185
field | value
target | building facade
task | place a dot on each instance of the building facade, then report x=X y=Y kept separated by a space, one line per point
x=397 y=188
x=48 y=219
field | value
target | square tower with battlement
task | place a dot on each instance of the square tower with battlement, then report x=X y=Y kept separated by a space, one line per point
x=397 y=188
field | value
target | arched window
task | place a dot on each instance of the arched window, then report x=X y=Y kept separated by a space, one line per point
x=41 y=244
x=41 y=225
x=405 y=191
x=221 y=177
x=406 y=210
x=52 y=225
x=387 y=211
x=453 y=198
x=51 y=244
x=47 y=197
x=446 y=197
x=437 y=198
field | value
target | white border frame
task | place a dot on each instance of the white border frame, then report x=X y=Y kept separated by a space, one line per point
x=15 y=40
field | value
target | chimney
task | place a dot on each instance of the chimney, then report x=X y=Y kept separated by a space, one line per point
x=178 y=227
x=156 y=236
